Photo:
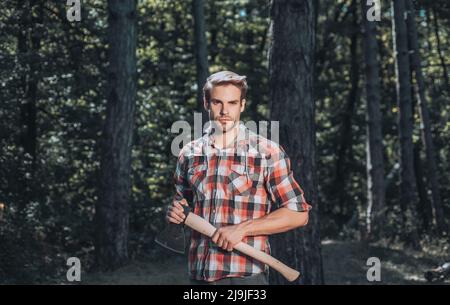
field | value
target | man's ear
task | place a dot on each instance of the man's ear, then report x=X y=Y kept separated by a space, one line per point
x=205 y=104
x=243 y=101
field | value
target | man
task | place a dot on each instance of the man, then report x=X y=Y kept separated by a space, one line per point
x=240 y=182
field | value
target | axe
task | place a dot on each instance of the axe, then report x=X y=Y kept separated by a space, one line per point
x=172 y=238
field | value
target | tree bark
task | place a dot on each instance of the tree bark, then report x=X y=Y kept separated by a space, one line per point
x=439 y=48
x=112 y=210
x=201 y=53
x=345 y=143
x=425 y=126
x=291 y=65
x=339 y=17
x=408 y=188
x=424 y=209
x=374 y=140
x=28 y=43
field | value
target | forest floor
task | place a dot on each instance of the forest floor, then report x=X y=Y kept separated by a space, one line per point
x=344 y=262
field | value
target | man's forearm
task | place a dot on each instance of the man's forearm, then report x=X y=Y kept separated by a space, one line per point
x=280 y=220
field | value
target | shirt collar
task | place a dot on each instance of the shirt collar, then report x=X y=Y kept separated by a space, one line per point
x=241 y=140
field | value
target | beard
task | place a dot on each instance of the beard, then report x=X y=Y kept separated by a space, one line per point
x=223 y=125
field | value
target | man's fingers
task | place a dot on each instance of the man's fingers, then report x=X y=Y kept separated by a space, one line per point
x=177 y=211
x=173 y=220
x=181 y=203
x=178 y=205
x=220 y=241
x=175 y=215
x=180 y=209
x=217 y=240
x=225 y=245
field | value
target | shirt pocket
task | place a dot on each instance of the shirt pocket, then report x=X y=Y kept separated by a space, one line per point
x=245 y=181
x=197 y=176
x=248 y=201
x=240 y=183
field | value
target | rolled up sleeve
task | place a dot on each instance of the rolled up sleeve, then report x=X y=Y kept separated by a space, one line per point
x=283 y=189
x=182 y=187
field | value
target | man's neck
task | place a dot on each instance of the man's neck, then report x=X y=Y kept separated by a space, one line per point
x=226 y=139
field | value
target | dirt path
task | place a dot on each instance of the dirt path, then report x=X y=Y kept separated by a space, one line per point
x=344 y=263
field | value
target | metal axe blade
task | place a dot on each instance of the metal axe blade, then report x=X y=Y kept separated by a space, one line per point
x=172 y=238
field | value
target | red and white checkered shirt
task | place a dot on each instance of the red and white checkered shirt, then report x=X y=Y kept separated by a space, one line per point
x=229 y=186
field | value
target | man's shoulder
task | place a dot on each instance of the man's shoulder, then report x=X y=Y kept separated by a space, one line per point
x=194 y=147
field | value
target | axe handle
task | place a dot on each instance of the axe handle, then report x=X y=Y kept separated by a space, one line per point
x=199 y=224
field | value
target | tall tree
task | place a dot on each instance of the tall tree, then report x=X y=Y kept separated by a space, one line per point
x=425 y=126
x=112 y=210
x=425 y=206
x=28 y=44
x=291 y=65
x=374 y=140
x=201 y=53
x=408 y=188
x=344 y=154
x=439 y=47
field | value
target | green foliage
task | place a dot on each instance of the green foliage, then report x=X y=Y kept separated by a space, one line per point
x=47 y=202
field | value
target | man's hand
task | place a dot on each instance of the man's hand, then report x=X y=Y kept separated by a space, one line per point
x=175 y=212
x=227 y=237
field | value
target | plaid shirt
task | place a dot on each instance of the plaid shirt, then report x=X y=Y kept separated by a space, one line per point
x=229 y=186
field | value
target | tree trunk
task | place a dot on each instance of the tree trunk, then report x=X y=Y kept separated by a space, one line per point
x=201 y=54
x=28 y=45
x=424 y=209
x=291 y=65
x=29 y=41
x=214 y=28
x=112 y=210
x=425 y=126
x=345 y=144
x=340 y=16
x=374 y=143
x=430 y=50
x=439 y=48
x=408 y=188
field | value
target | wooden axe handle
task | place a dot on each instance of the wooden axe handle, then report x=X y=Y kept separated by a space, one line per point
x=199 y=224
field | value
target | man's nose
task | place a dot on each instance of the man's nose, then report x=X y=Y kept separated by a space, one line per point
x=224 y=110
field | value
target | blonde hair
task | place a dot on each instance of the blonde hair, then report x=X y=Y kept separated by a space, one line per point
x=225 y=77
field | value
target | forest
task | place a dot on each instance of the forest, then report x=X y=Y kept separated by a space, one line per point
x=90 y=90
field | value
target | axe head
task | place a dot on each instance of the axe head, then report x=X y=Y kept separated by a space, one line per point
x=173 y=236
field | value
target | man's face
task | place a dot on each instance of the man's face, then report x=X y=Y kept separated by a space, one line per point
x=225 y=106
